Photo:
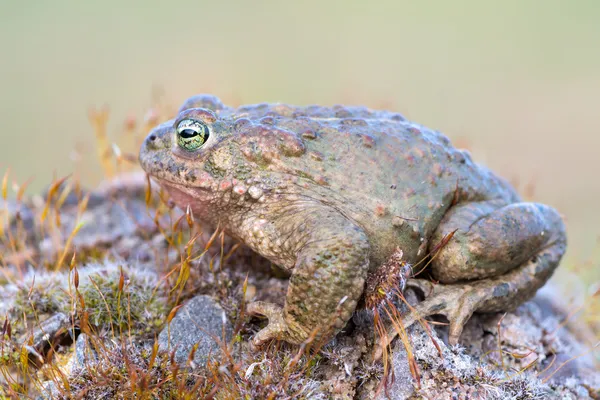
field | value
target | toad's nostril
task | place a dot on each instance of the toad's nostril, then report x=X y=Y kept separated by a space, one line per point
x=152 y=137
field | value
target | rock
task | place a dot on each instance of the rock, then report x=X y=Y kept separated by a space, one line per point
x=85 y=354
x=540 y=359
x=451 y=375
x=49 y=391
x=200 y=321
x=50 y=333
x=45 y=332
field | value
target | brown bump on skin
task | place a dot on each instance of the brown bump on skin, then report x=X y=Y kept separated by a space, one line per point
x=202 y=101
x=321 y=180
x=410 y=192
x=316 y=155
x=432 y=179
x=341 y=111
x=445 y=140
x=410 y=159
x=241 y=123
x=398 y=117
x=283 y=110
x=437 y=169
x=380 y=210
x=299 y=114
x=418 y=152
x=397 y=221
x=414 y=130
x=368 y=141
x=459 y=156
x=197 y=113
x=354 y=122
x=309 y=134
x=250 y=152
x=265 y=144
x=292 y=145
x=268 y=120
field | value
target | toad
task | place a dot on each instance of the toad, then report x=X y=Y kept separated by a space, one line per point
x=330 y=193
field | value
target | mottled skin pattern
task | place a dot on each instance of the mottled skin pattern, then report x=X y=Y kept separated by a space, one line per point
x=328 y=193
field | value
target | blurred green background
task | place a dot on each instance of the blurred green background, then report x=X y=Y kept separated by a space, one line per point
x=518 y=81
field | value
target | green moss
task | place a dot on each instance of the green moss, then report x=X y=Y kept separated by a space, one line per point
x=138 y=307
x=43 y=298
x=133 y=308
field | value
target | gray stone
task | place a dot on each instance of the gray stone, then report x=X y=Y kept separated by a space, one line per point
x=43 y=334
x=200 y=321
x=85 y=354
x=49 y=391
x=474 y=369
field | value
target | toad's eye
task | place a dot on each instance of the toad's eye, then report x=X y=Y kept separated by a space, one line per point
x=191 y=134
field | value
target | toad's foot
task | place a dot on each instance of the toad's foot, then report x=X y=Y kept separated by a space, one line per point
x=456 y=302
x=277 y=328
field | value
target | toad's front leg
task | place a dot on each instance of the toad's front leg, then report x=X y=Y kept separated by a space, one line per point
x=330 y=268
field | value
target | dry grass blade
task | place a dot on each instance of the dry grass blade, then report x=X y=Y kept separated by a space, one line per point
x=52 y=190
x=184 y=274
x=5 y=185
x=22 y=189
x=435 y=251
x=99 y=120
x=499 y=340
x=148 y=192
x=406 y=343
x=61 y=260
x=189 y=216
x=173 y=312
x=153 y=354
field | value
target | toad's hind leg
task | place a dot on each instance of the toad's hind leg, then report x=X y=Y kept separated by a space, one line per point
x=496 y=259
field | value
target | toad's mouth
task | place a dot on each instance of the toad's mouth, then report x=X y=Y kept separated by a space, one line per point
x=186 y=196
x=172 y=185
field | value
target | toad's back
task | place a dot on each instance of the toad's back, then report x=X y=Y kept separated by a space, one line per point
x=395 y=178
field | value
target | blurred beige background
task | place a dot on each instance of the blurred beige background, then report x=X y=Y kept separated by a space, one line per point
x=518 y=80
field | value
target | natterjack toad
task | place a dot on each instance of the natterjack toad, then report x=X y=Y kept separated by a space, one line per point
x=329 y=193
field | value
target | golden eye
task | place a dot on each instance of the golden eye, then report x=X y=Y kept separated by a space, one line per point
x=192 y=134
